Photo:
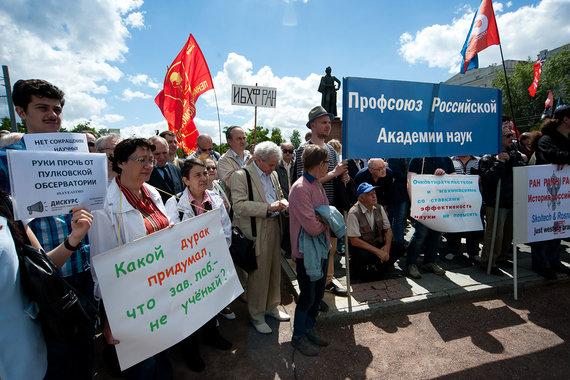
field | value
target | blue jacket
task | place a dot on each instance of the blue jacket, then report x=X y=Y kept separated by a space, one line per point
x=315 y=249
x=333 y=218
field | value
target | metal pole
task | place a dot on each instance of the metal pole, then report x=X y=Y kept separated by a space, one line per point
x=219 y=124
x=255 y=123
x=515 y=272
x=9 y=98
x=507 y=85
x=347 y=263
x=494 y=232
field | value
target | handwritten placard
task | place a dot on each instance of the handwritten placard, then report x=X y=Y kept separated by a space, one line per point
x=160 y=289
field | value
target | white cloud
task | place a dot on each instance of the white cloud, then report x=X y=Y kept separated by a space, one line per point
x=68 y=46
x=111 y=118
x=295 y=96
x=523 y=32
x=144 y=130
x=509 y=4
x=143 y=79
x=129 y=95
x=135 y=19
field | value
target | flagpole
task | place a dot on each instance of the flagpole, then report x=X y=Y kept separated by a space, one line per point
x=219 y=124
x=508 y=88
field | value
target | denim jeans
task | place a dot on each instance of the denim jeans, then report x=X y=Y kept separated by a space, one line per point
x=397 y=214
x=424 y=239
x=311 y=294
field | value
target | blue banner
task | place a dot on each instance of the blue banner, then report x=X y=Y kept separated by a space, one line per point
x=389 y=119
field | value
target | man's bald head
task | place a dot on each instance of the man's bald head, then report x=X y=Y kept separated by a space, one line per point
x=377 y=167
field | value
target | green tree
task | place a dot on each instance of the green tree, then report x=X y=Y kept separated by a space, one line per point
x=262 y=134
x=86 y=127
x=296 y=138
x=276 y=136
x=7 y=125
x=555 y=76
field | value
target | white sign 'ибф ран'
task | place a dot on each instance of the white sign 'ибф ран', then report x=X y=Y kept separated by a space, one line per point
x=253 y=96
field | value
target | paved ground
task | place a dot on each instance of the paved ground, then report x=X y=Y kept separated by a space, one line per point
x=481 y=338
x=465 y=325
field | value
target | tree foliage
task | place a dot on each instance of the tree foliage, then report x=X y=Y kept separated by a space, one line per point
x=555 y=76
x=276 y=136
x=7 y=125
x=86 y=127
x=296 y=138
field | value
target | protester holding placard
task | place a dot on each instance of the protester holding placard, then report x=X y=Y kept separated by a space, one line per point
x=195 y=200
x=132 y=209
x=425 y=239
x=493 y=168
x=553 y=148
x=40 y=106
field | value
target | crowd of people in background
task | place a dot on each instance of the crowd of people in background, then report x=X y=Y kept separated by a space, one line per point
x=279 y=196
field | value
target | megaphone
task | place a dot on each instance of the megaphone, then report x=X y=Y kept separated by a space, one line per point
x=38 y=207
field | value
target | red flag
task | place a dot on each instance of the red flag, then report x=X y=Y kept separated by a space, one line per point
x=482 y=34
x=187 y=78
x=534 y=85
x=549 y=100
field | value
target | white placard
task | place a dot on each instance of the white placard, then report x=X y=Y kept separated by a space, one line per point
x=52 y=183
x=160 y=289
x=253 y=96
x=448 y=203
x=57 y=142
x=541 y=203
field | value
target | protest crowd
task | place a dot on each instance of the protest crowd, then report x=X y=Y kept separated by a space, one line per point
x=294 y=203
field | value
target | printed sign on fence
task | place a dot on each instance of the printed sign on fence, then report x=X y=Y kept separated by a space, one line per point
x=448 y=203
x=388 y=118
x=541 y=203
x=57 y=142
x=160 y=289
x=52 y=183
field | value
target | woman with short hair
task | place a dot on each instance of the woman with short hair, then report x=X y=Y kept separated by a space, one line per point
x=132 y=209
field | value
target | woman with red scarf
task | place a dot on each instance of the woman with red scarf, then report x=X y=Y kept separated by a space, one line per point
x=132 y=209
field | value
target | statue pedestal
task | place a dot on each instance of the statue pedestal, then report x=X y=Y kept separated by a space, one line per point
x=336 y=129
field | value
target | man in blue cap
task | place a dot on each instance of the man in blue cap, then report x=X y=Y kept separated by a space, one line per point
x=370 y=236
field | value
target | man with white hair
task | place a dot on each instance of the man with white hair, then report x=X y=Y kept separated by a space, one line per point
x=259 y=221
x=165 y=176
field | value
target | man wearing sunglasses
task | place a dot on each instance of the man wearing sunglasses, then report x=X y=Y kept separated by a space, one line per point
x=285 y=174
x=205 y=148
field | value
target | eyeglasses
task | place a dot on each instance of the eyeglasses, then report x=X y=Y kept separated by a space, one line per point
x=90 y=144
x=101 y=150
x=212 y=168
x=144 y=161
x=290 y=151
x=206 y=150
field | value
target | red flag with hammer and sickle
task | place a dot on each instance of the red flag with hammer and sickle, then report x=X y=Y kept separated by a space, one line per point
x=187 y=78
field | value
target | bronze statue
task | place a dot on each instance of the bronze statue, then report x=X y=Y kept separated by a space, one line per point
x=328 y=89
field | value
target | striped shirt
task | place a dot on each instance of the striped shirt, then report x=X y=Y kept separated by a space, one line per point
x=333 y=162
x=470 y=167
x=51 y=231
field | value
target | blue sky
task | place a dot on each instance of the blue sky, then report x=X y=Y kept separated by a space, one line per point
x=110 y=56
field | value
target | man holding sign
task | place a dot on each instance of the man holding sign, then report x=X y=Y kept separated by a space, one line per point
x=40 y=105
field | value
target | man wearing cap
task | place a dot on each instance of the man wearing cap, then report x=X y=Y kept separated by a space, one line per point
x=320 y=125
x=370 y=236
x=553 y=148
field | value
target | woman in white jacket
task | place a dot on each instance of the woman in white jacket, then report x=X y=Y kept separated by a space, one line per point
x=195 y=200
x=132 y=209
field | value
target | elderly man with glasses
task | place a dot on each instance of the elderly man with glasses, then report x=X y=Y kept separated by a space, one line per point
x=165 y=177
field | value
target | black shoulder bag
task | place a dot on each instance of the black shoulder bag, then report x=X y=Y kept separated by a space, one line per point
x=242 y=249
x=63 y=317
